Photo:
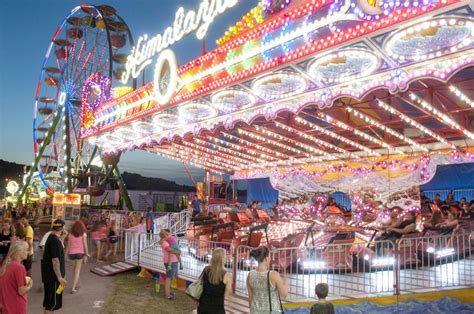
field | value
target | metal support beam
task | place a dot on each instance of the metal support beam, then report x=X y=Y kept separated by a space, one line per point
x=43 y=145
x=122 y=188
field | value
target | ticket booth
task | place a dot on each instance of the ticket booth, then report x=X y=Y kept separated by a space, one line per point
x=67 y=207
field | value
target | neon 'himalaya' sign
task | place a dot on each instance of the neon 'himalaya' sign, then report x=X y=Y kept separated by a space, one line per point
x=184 y=24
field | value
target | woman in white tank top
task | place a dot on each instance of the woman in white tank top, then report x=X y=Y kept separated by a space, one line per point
x=265 y=288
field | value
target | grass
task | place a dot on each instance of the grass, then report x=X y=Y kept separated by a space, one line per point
x=132 y=294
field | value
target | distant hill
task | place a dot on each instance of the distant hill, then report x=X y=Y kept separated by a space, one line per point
x=10 y=171
x=138 y=182
x=133 y=181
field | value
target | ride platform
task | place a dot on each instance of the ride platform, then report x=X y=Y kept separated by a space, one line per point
x=113 y=269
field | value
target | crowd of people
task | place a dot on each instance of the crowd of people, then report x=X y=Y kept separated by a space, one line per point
x=462 y=209
x=56 y=247
x=266 y=288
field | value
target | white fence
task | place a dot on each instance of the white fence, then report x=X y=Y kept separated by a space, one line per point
x=350 y=269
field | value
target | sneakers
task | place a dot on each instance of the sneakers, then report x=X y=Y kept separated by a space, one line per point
x=171 y=297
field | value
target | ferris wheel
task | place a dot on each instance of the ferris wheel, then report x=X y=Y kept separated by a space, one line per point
x=83 y=62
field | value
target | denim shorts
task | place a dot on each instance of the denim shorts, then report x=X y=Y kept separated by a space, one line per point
x=75 y=257
x=173 y=272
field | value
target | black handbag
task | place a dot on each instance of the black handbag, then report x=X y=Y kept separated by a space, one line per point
x=270 y=295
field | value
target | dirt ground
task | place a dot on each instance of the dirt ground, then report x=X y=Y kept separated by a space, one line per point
x=132 y=294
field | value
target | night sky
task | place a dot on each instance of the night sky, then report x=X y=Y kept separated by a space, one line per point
x=26 y=28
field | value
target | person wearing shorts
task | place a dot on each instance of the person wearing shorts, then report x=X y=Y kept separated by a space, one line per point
x=171 y=272
x=76 y=250
x=53 y=268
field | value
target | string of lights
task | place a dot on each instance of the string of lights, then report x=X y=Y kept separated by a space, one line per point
x=439 y=115
x=415 y=124
x=384 y=128
x=359 y=133
x=461 y=96
x=336 y=136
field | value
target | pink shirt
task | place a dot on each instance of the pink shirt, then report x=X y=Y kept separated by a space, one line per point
x=171 y=240
x=76 y=244
x=167 y=257
x=14 y=278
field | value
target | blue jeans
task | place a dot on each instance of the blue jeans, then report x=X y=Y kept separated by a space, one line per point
x=173 y=272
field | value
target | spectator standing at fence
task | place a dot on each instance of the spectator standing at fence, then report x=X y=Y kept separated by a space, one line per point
x=171 y=266
x=29 y=235
x=322 y=306
x=53 y=268
x=14 y=284
x=77 y=250
x=265 y=287
x=217 y=284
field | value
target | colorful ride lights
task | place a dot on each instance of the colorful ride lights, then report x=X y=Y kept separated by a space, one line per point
x=343 y=66
x=233 y=100
x=168 y=120
x=195 y=111
x=380 y=261
x=440 y=116
x=279 y=85
x=430 y=39
x=316 y=264
x=250 y=263
x=315 y=140
x=442 y=252
x=364 y=135
x=414 y=123
x=384 y=128
x=461 y=96
x=336 y=136
x=144 y=127
x=185 y=22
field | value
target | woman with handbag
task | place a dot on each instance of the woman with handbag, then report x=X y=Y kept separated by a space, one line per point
x=265 y=287
x=216 y=283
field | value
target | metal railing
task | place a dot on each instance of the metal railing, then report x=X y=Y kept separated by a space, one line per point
x=346 y=267
x=179 y=222
x=436 y=261
x=377 y=267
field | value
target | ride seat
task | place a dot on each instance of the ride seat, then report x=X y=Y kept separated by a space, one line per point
x=255 y=239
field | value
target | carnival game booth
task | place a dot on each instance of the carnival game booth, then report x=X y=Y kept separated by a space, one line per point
x=361 y=97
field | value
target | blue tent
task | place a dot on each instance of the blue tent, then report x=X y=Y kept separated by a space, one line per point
x=261 y=190
x=458 y=178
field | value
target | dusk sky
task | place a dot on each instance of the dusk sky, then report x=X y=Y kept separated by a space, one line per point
x=26 y=29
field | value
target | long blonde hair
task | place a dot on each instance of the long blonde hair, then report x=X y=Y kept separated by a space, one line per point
x=16 y=247
x=216 y=269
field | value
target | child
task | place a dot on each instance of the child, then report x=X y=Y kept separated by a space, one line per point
x=322 y=306
x=175 y=246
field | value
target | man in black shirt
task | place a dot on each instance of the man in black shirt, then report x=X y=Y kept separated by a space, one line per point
x=53 y=268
